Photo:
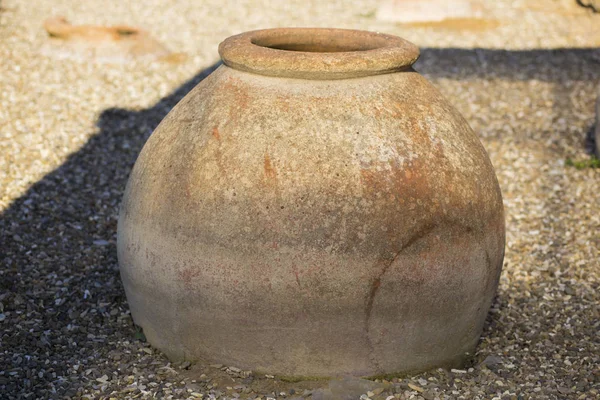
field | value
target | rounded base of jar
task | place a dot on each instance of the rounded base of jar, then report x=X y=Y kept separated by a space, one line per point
x=337 y=324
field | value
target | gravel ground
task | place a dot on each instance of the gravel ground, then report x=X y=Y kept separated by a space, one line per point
x=70 y=132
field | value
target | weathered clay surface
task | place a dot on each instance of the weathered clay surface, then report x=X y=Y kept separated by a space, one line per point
x=313 y=226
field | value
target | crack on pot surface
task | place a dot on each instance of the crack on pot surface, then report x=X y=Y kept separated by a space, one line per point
x=376 y=284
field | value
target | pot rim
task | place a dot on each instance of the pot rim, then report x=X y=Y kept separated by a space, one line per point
x=317 y=53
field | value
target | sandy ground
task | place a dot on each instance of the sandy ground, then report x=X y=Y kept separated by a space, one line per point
x=524 y=75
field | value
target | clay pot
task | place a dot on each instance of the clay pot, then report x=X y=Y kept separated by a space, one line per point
x=313 y=207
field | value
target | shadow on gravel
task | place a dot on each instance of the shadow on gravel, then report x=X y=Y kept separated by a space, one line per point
x=562 y=67
x=65 y=321
x=59 y=283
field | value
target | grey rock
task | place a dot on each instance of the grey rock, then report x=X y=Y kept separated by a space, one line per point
x=349 y=389
x=492 y=362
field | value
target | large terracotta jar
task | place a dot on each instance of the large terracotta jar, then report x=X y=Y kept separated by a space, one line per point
x=313 y=207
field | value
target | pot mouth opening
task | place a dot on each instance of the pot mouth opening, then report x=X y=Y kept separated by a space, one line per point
x=311 y=44
x=317 y=53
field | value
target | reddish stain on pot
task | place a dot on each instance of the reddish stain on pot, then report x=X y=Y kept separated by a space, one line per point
x=269 y=169
x=215 y=133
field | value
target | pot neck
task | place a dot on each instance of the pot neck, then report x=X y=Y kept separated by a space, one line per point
x=317 y=53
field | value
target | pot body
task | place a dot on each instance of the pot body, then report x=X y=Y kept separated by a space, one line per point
x=313 y=227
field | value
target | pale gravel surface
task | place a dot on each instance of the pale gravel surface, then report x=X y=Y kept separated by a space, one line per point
x=69 y=133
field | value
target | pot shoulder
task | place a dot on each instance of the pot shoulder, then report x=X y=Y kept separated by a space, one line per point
x=242 y=150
